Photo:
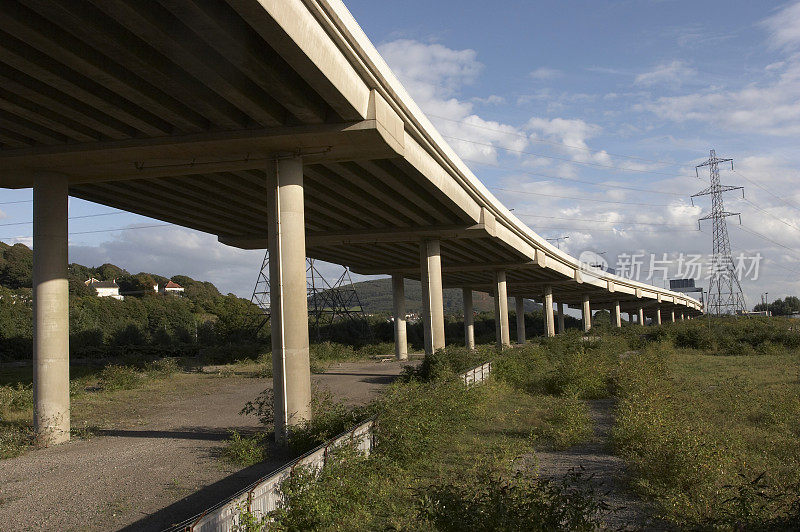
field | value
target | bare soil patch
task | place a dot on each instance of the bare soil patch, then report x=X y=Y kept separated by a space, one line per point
x=150 y=456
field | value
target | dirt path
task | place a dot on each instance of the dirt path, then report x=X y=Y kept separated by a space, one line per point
x=609 y=471
x=159 y=464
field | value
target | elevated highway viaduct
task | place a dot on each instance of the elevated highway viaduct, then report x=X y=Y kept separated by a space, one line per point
x=269 y=123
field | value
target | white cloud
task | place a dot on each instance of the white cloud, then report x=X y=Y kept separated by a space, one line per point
x=175 y=250
x=784 y=27
x=545 y=73
x=572 y=134
x=674 y=73
x=770 y=109
x=3 y=215
x=434 y=75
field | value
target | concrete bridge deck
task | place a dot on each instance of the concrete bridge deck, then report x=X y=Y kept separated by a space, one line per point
x=269 y=123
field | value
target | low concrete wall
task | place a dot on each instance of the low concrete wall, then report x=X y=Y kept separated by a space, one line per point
x=263 y=496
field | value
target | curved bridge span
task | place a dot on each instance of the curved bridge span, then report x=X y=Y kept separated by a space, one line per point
x=269 y=123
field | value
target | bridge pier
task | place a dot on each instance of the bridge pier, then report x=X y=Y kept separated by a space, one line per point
x=587 y=313
x=432 y=299
x=682 y=316
x=549 y=321
x=399 y=304
x=560 y=318
x=51 y=412
x=641 y=316
x=501 y=310
x=658 y=316
x=617 y=318
x=672 y=316
x=520 y=303
x=469 y=319
x=291 y=382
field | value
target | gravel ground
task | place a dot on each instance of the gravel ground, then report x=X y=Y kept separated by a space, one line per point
x=159 y=465
x=609 y=471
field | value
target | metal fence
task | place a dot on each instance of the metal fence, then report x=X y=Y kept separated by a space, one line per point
x=263 y=496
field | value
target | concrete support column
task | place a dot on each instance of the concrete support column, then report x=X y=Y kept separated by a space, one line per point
x=560 y=318
x=469 y=319
x=520 y=320
x=672 y=316
x=658 y=316
x=291 y=380
x=587 y=313
x=399 y=301
x=501 y=310
x=432 y=299
x=617 y=315
x=681 y=316
x=641 y=316
x=549 y=321
x=51 y=419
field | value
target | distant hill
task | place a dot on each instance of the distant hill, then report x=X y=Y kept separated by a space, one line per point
x=376 y=296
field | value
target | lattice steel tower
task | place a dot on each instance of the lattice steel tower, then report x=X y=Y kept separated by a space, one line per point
x=328 y=303
x=724 y=290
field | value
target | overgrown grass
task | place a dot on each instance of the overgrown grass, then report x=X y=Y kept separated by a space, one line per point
x=447 y=457
x=714 y=439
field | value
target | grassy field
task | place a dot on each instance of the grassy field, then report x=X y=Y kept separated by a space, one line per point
x=707 y=419
x=715 y=439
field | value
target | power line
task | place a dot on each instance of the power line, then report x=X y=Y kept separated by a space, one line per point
x=560 y=145
x=768 y=191
x=70 y=218
x=604 y=221
x=20 y=201
x=593 y=183
x=781 y=220
x=95 y=231
x=582 y=199
x=571 y=161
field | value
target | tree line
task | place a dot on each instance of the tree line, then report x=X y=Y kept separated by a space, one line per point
x=200 y=316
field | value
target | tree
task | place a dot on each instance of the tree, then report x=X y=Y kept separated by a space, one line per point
x=16 y=267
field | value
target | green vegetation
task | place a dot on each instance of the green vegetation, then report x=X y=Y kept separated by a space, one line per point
x=710 y=436
x=445 y=454
x=713 y=438
x=781 y=307
x=105 y=327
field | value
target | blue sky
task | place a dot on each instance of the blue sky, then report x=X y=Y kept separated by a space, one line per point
x=607 y=104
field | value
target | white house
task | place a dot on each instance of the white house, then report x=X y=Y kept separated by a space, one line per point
x=170 y=287
x=105 y=288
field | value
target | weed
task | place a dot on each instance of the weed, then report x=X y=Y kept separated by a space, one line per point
x=114 y=377
x=489 y=502
x=244 y=450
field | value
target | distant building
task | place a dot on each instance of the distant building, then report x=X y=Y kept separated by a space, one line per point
x=104 y=288
x=170 y=287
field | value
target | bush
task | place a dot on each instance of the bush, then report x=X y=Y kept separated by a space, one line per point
x=447 y=362
x=566 y=423
x=489 y=502
x=114 y=377
x=244 y=450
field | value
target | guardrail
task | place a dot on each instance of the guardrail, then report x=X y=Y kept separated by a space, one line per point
x=263 y=496
x=477 y=374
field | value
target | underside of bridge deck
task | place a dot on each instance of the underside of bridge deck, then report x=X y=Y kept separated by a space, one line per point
x=182 y=110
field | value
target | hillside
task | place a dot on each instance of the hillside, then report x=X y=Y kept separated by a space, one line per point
x=144 y=318
x=376 y=296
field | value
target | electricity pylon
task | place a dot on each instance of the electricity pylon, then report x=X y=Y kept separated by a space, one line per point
x=327 y=304
x=724 y=290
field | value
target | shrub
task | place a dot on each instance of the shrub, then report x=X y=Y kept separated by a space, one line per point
x=566 y=423
x=489 y=502
x=114 y=377
x=244 y=450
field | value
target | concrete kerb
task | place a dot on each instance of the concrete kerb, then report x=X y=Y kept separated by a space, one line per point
x=263 y=496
